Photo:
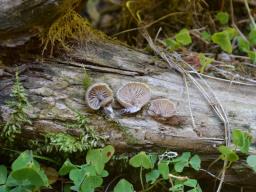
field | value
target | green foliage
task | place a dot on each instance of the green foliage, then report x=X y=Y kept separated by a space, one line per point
x=171 y=44
x=183 y=37
x=163 y=168
x=3 y=174
x=206 y=36
x=89 y=176
x=141 y=160
x=99 y=157
x=18 y=116
x=242 y=140
x=63 y=142
x=223 y=39
x=251 y=161
x=123 y=186
x=252 y=56
x=195 y=162
x=185 y=160
x=66 y=167
x=87 y=81
x=243 y=45
x=179 y=186
x=227 y=154
x=204 y=62
x=152 y=176
x=26 y=175
x=252 y=36
x=69 y=144
x=89 y=137
x=222 y=17
x=85 y=179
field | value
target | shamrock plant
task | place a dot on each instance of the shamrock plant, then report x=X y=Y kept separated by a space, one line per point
x=89 y=176
x=166 y=170
x=25 y=175
x=242 y=141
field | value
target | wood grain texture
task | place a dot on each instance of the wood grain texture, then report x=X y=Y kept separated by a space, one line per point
x=55 y=87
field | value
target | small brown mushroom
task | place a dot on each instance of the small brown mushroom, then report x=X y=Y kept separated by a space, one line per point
x=100 y=95
x=162 y=108
x=133 y=96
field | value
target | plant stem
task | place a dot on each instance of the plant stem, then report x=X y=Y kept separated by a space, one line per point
x=152 y=186
x=222 y=175
x=141 y=180
x=249 y=13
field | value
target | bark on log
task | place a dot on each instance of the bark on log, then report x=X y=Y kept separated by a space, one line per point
x=55 y=85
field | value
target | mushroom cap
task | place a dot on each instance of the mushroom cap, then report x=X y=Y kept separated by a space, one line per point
x=98 y=95
x=134 y=95
x=162 y=108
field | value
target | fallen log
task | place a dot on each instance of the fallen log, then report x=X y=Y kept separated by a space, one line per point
x=55 y=87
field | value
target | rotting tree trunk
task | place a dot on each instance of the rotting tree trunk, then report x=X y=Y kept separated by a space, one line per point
x=55 y=86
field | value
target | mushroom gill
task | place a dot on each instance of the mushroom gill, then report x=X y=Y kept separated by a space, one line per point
x=133 y=96
x=161 y=108
x=99 y=95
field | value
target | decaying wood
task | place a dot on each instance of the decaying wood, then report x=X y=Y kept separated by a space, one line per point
x=55 y=87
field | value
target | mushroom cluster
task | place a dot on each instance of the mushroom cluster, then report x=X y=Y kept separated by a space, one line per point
x=132 y=96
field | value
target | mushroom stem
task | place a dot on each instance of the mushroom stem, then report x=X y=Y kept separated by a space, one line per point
x=132 y=109
x=108 y=110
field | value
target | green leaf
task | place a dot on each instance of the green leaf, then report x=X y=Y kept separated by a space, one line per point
x=34 y=177
x=141 y=160
x=77 y=176
x=252 y=55
x=227 y=154
x=123 y=186
x=163 y=168
x=251 y=161
x=107 y=153
x=184 y=157
x=90 y=183
x=243 y=45
x=152 y=176
x=98 y=157
x=183 y=37
x=231 y=32
x=153 y=157
x=222 y=17
x=24 y=160
x=171 y=44
x=179 y=166
x=195 y=162
x=242 y=140
x=181 y=162
x=66 y=168
x=190 y=182
x=252 y=36
x=223 y=40
x=177 y=188
x=206 y=36
x=204 y=61
x=3 y=174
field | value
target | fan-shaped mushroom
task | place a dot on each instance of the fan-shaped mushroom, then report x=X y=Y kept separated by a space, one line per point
x=162 y=108
x=100 y=95
x=133 y=96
